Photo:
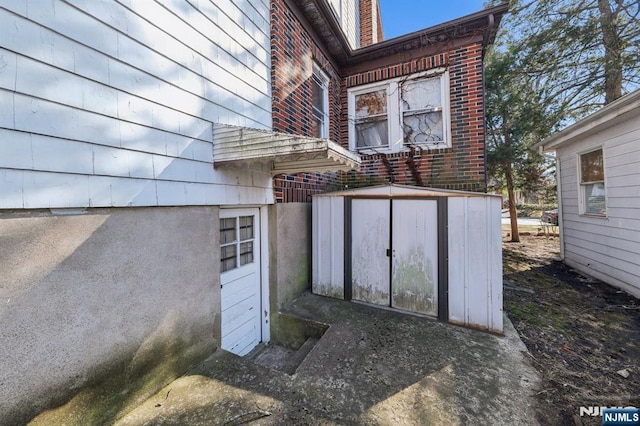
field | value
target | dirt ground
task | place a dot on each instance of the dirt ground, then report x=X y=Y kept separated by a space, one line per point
x=580 y=332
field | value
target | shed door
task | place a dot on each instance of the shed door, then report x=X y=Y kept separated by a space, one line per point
x=394 y=246
x=370 y=241
x=240 y=280
x=414 y=279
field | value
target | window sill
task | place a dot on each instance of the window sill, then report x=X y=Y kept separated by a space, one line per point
x=594 y=215
x=387 y=150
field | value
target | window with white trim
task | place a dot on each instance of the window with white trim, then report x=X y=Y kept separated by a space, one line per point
x=320 y=103
x=592 y=187
x=236 y=242
x=414 y=110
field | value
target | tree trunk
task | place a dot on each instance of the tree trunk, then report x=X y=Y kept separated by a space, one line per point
x=513 y=213
x=612 y=52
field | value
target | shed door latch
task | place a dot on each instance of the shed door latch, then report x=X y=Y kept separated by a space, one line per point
x=388 y=252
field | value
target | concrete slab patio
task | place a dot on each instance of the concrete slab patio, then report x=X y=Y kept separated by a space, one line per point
x=372 y=366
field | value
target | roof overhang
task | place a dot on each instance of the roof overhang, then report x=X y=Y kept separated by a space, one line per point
x=620 y=110
x=242 y=147
x=483 y=24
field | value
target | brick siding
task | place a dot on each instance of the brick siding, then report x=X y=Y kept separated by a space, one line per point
x=293 y=53
x=461 y=167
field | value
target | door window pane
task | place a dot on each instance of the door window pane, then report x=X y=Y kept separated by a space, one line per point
x=228 y=258
x=246 y=228
x=246 y=253
x=227 y=230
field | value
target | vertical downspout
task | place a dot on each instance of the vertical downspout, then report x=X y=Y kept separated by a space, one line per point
x=560 y=216
x=485 y=44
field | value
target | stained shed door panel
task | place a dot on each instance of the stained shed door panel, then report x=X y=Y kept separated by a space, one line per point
x=370 y=242
x=415 y=256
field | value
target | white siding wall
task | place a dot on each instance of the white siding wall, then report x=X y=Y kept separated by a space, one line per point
x=111 y=102
x=351 y=21
x=348 y=14
x=607 y=248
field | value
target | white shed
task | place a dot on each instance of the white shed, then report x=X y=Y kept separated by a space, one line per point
x=598 y=173
x=423 y=250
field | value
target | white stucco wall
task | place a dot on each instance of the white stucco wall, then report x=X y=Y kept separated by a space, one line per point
x=101 y=310
x=111 y=103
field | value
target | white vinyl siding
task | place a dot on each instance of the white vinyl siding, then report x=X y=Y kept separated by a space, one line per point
x=111 y=102
x=347 y=13
x=605 y=247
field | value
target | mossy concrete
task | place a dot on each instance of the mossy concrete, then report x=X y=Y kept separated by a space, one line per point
x=372 y=366
x=101 y=310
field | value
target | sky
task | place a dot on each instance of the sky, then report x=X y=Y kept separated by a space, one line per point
x=401 y=17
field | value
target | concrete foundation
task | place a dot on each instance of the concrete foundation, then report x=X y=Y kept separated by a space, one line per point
x=101 y=310
x=290 y=267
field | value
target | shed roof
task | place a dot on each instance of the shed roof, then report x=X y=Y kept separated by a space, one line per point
x=395 y=190
x=616 y=112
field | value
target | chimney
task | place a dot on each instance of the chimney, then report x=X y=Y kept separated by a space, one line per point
x=370 y=23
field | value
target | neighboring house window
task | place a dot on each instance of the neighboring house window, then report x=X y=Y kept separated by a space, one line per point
x=320 y=103
x=592 y=188
x=236 y=242
x=385 y=117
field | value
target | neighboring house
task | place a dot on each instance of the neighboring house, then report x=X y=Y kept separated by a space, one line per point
x=139 y=229
x=412 y=107
x=598 y=172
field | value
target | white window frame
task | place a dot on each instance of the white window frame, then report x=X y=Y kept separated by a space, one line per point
x=323 y=79
x=395 y=113
x=582 y=198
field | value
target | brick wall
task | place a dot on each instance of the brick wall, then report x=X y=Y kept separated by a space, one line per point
x=293 y=53
x=370 y=23
x=461 y=167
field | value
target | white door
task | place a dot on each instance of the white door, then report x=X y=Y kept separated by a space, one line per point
x=240 y=279
x=415 y=256
x=370 y=244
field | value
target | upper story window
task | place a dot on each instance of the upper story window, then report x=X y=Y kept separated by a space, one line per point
x=386 y=116
x=320 y=103
x=592 y=187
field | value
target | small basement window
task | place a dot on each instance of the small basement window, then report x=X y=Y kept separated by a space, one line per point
x=592 y=185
